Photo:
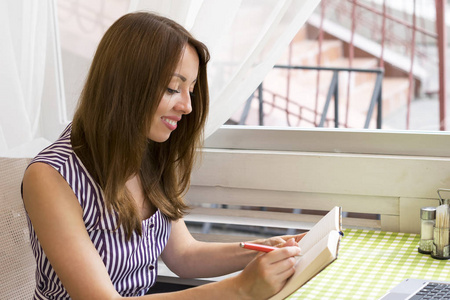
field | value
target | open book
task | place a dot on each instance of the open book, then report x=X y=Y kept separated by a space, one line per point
x=319 y=248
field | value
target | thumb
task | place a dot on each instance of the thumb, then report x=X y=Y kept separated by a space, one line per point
x=290 y=242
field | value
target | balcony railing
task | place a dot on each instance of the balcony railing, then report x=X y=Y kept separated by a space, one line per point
x=333 y=93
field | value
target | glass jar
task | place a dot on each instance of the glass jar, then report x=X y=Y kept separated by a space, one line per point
x=441 y=245
x=427 y=222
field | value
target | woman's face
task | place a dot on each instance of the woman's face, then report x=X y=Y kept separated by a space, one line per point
x=176 y=101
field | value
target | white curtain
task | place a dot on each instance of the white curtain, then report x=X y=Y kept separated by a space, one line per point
x=245 y=38
x=30 y=105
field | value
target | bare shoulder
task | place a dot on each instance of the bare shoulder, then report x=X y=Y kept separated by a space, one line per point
x=43 y=185
x=39 y=171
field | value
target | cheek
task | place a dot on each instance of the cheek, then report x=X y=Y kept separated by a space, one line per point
x=164 y=105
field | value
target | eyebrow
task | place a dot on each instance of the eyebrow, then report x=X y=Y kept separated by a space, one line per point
x=182 y=77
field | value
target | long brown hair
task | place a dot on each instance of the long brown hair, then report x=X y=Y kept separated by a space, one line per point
x=131 y=70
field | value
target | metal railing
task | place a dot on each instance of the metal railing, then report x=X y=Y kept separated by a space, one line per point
x=333 y=93
x=409 y=33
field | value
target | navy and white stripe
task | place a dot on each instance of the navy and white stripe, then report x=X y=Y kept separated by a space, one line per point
x=131 y=264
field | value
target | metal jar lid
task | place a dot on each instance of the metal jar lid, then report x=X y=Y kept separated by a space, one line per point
x=428 y=213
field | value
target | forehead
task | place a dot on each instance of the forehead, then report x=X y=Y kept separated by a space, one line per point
x=187 y=68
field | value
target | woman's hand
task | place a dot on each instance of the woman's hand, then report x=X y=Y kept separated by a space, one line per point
x=267 y=273
x=280 y=241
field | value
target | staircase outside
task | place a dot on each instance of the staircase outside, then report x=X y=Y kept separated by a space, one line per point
x=290 y=95
x=297 y=97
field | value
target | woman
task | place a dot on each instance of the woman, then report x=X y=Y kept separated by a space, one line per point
x=105 y=200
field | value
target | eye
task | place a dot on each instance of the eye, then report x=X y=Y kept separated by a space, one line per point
x=172 y=91
x=192 y=95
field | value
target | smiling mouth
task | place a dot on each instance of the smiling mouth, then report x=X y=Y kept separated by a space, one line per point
x=171 y=122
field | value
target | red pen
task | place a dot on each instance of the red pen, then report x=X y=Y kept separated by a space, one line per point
x=257 y=247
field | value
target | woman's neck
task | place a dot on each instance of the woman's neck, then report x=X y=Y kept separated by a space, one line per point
x=143 y=206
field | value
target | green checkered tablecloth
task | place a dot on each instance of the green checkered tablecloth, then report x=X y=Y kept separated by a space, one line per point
x=369 y=264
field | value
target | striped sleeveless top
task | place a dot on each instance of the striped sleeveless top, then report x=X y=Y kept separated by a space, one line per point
x=131 y=264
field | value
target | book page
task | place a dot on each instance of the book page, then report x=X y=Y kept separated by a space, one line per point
x=331 y=221
x=311 y=263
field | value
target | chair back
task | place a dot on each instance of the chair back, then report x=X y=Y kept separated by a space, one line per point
x=17 y=276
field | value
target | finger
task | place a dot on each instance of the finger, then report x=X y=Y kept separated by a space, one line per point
x=278 y=271
x=290 y=242
x=273 y=241
x=281 y=254
x=281 y=240
x=296 y=237
x=277 y=241
x=300 y=236
x=287 y=270
x=283 y=269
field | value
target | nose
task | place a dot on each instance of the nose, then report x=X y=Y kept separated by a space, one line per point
x=184 y=103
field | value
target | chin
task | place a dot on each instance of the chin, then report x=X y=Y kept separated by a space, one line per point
x=159 y=139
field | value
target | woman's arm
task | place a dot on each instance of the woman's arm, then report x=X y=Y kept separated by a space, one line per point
x=57 y=219
x=189 y=258
x=264 y=273
x=263 y=277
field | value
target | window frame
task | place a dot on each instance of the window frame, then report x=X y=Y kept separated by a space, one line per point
x=332 y=140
